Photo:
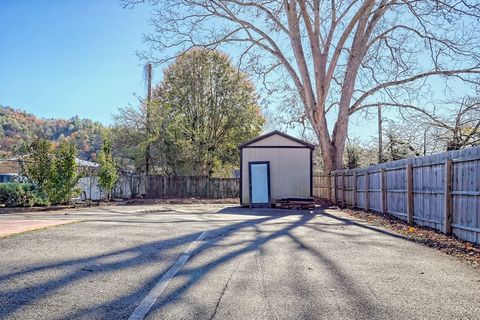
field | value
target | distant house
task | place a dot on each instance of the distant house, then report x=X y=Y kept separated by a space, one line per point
x=84 y=164
x=128 y=185
x=14 y=165
x=10 y=166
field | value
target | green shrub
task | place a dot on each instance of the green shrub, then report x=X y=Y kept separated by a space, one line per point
x=107 y=174
x=52 y=169
x=14 y=194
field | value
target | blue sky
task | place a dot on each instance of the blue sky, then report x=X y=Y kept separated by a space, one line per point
x=70 y=57
x=64 y=58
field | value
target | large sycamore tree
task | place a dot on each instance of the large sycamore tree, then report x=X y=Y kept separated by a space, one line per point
x=339 y=57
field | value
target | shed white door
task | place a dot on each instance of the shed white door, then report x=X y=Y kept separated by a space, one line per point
x=259 y=183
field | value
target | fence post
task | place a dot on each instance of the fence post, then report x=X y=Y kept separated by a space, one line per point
x=354 y=200
x=329 y=185
x=367 y=189
x=409 y=193
x=164 y=186
x=146 y=187
x=448 y=213
x=334 y=188
x=384 y=190
x=188 y=187
x=344 y=202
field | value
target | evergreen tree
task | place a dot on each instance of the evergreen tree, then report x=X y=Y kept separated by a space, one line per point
x=107 y=173
x=65 y=174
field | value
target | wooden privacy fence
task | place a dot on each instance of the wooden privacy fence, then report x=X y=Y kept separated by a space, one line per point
x=187 y=187
x=441 y=191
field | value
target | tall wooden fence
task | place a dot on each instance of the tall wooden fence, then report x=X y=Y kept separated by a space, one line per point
x=441 y=191
x=127 y=186
x=187 y=187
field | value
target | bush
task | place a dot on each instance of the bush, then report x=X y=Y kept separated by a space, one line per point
x=21 y=195
x=52 y=169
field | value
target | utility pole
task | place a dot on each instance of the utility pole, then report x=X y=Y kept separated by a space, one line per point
x=380 y=141
x=148 y=71
x=425 y=142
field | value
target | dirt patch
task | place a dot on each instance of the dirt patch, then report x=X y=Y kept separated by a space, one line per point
x=11 y=227
x=460 y=249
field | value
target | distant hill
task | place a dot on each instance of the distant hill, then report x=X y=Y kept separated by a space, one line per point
x=18 y=128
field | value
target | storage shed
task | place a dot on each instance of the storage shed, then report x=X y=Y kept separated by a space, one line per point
x=274 y=166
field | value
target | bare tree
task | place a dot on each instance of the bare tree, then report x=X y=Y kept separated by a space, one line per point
x=380 y=134
x=457 y=128
x=408 y=135
x=339 y=56
x=417 y=132
x=136 y=135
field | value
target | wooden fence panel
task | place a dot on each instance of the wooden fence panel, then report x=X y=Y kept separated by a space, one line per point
x=361 y=191
x=428 y=195
x=321 y=185
x=192 y=187
x=349 y=189
x=374 y=191
x=465 y=202
x=396 y=189
x=334 y=188
x=423 y=186
x=338 y=188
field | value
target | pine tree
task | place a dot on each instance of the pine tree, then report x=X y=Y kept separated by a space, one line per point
x=107 y=174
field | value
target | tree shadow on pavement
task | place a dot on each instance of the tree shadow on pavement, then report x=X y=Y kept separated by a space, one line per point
x=351 y=222
x=348 y=287
x=151 y=253
x=196 y=274
x=266 y=212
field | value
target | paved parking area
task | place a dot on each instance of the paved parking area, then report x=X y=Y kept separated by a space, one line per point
x=216 y=262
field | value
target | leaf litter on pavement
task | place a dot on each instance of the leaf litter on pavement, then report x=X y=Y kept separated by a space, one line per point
x=449 y=244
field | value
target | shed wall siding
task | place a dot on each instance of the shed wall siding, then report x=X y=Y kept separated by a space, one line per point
x=289 y=171
x=276 y=140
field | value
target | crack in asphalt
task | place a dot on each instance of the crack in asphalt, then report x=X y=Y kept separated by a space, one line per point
x=223 y=292
x=261 y=268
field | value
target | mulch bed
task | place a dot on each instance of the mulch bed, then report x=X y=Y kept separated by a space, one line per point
x=181 y=201
x=6 y=210
x=460 y=249
x=120 y=202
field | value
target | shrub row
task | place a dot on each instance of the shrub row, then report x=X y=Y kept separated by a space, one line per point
x=14 y=194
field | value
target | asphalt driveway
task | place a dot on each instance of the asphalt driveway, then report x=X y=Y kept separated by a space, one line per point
x=215 y=262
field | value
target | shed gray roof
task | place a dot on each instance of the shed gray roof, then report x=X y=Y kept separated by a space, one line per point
x=80 y=162
x=85 y=163
x=306 y=144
